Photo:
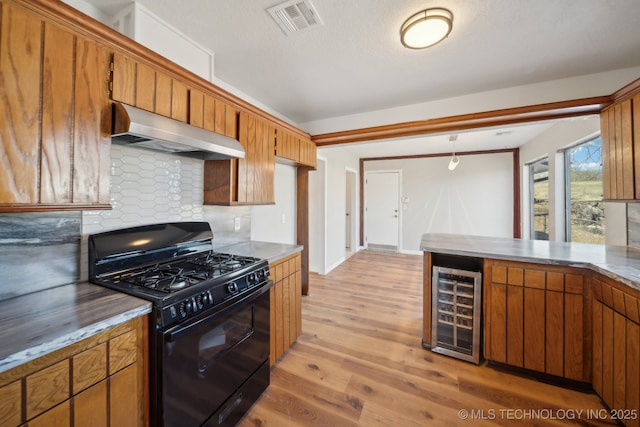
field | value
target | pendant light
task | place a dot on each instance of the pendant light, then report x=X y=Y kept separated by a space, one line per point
x=455 y=160
x=426 y=28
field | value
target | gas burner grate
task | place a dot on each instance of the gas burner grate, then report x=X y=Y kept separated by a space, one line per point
x=164 y=278
x=180 y=274
x=222 y=263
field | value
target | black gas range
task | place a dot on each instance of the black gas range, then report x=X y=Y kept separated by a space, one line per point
x=209 y=339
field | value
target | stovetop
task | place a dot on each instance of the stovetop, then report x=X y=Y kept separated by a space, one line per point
x=174 y=276
x=185 y=288
x=174 y=266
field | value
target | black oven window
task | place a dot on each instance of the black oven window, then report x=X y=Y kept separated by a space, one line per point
x=224 y=337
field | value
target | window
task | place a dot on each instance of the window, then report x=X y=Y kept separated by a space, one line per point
x=585 y=208
x=539 y=186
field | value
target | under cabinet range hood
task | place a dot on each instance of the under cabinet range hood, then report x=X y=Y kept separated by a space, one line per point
x=139 y=128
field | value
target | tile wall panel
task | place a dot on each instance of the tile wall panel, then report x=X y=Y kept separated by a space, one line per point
x=149 y=187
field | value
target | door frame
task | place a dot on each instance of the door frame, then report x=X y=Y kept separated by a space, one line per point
x=352 y=208
x=365 y=242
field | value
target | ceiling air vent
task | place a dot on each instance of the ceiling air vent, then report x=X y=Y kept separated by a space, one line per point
x=295 y=15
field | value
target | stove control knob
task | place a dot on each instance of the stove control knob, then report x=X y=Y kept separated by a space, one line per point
x=187 y=307
x=206 y=298
x=232 y=287
x=252 y=278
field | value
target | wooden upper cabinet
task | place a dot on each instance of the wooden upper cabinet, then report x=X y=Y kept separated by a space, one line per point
x=620 y=129
x=138 y=84
x=56 y=116
x=249 y=180
x=210 y=113
x=308 y=153
x=299 y=150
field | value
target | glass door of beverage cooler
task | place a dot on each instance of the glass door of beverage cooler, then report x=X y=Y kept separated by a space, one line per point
x=456 y=313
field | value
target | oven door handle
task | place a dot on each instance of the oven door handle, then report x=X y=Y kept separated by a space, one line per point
x=180 y=330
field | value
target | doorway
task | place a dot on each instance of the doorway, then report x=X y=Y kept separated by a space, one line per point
x=382 y=210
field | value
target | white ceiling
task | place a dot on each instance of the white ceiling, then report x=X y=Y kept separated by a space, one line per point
x=354 y=63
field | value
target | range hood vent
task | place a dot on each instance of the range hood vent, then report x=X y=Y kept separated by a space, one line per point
x=295 y=15
x=139 y=128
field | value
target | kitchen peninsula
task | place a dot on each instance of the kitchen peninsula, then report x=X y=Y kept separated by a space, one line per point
x=565 y=311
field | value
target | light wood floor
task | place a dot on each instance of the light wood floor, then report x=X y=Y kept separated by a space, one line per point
x=359 y=362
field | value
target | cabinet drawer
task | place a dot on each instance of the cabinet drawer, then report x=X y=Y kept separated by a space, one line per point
x=89 y=367
x=47 y=388
x=122 y=351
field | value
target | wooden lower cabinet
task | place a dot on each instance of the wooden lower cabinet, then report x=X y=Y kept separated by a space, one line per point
x=616 y=347
x=286 y=305
x=534 y=318
x=99 y=381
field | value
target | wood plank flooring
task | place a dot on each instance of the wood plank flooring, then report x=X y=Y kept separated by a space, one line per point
x=360 y=362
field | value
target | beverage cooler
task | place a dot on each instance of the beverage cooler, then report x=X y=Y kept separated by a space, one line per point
x=456 y=310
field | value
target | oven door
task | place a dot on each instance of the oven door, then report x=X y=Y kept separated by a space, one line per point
x=215 y=367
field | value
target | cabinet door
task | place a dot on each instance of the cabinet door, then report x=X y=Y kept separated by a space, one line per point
x=123 y=410
x=92 y=125
x=138 y=84
x=56 y=141
x=632 y=378
x=534 y=329
x=286 y=304
x=293 y=147
x=535 y=318
x=308 y=153
x=20 y=67
x=287 y=145
x=124 y=79
x=60 y=416
x=90 y=406
x=496 y=348
x=619 y=176
x=596 y=345
x=57 y=116
x=256 y=172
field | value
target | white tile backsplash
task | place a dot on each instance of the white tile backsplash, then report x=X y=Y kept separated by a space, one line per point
x=149 y=187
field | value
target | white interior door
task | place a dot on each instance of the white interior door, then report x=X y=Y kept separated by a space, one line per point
x=383 y=209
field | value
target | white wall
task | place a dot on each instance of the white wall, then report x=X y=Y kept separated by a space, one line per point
x=337 y=161
x=476 y=198
x=317 y=216
x=277 y=223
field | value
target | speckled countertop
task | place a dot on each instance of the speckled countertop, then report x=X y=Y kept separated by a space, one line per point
x=271 y=251
x=39 y=323
x=620 y=263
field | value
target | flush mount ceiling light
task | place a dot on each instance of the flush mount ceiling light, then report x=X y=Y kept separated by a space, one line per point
x=426 y=28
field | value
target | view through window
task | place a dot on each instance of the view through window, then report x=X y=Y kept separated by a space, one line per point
x=585 y=208
x=539 y=185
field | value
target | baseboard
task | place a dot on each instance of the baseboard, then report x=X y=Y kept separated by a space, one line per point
x=334 y=265
x=382 y=248
x=409 y=252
